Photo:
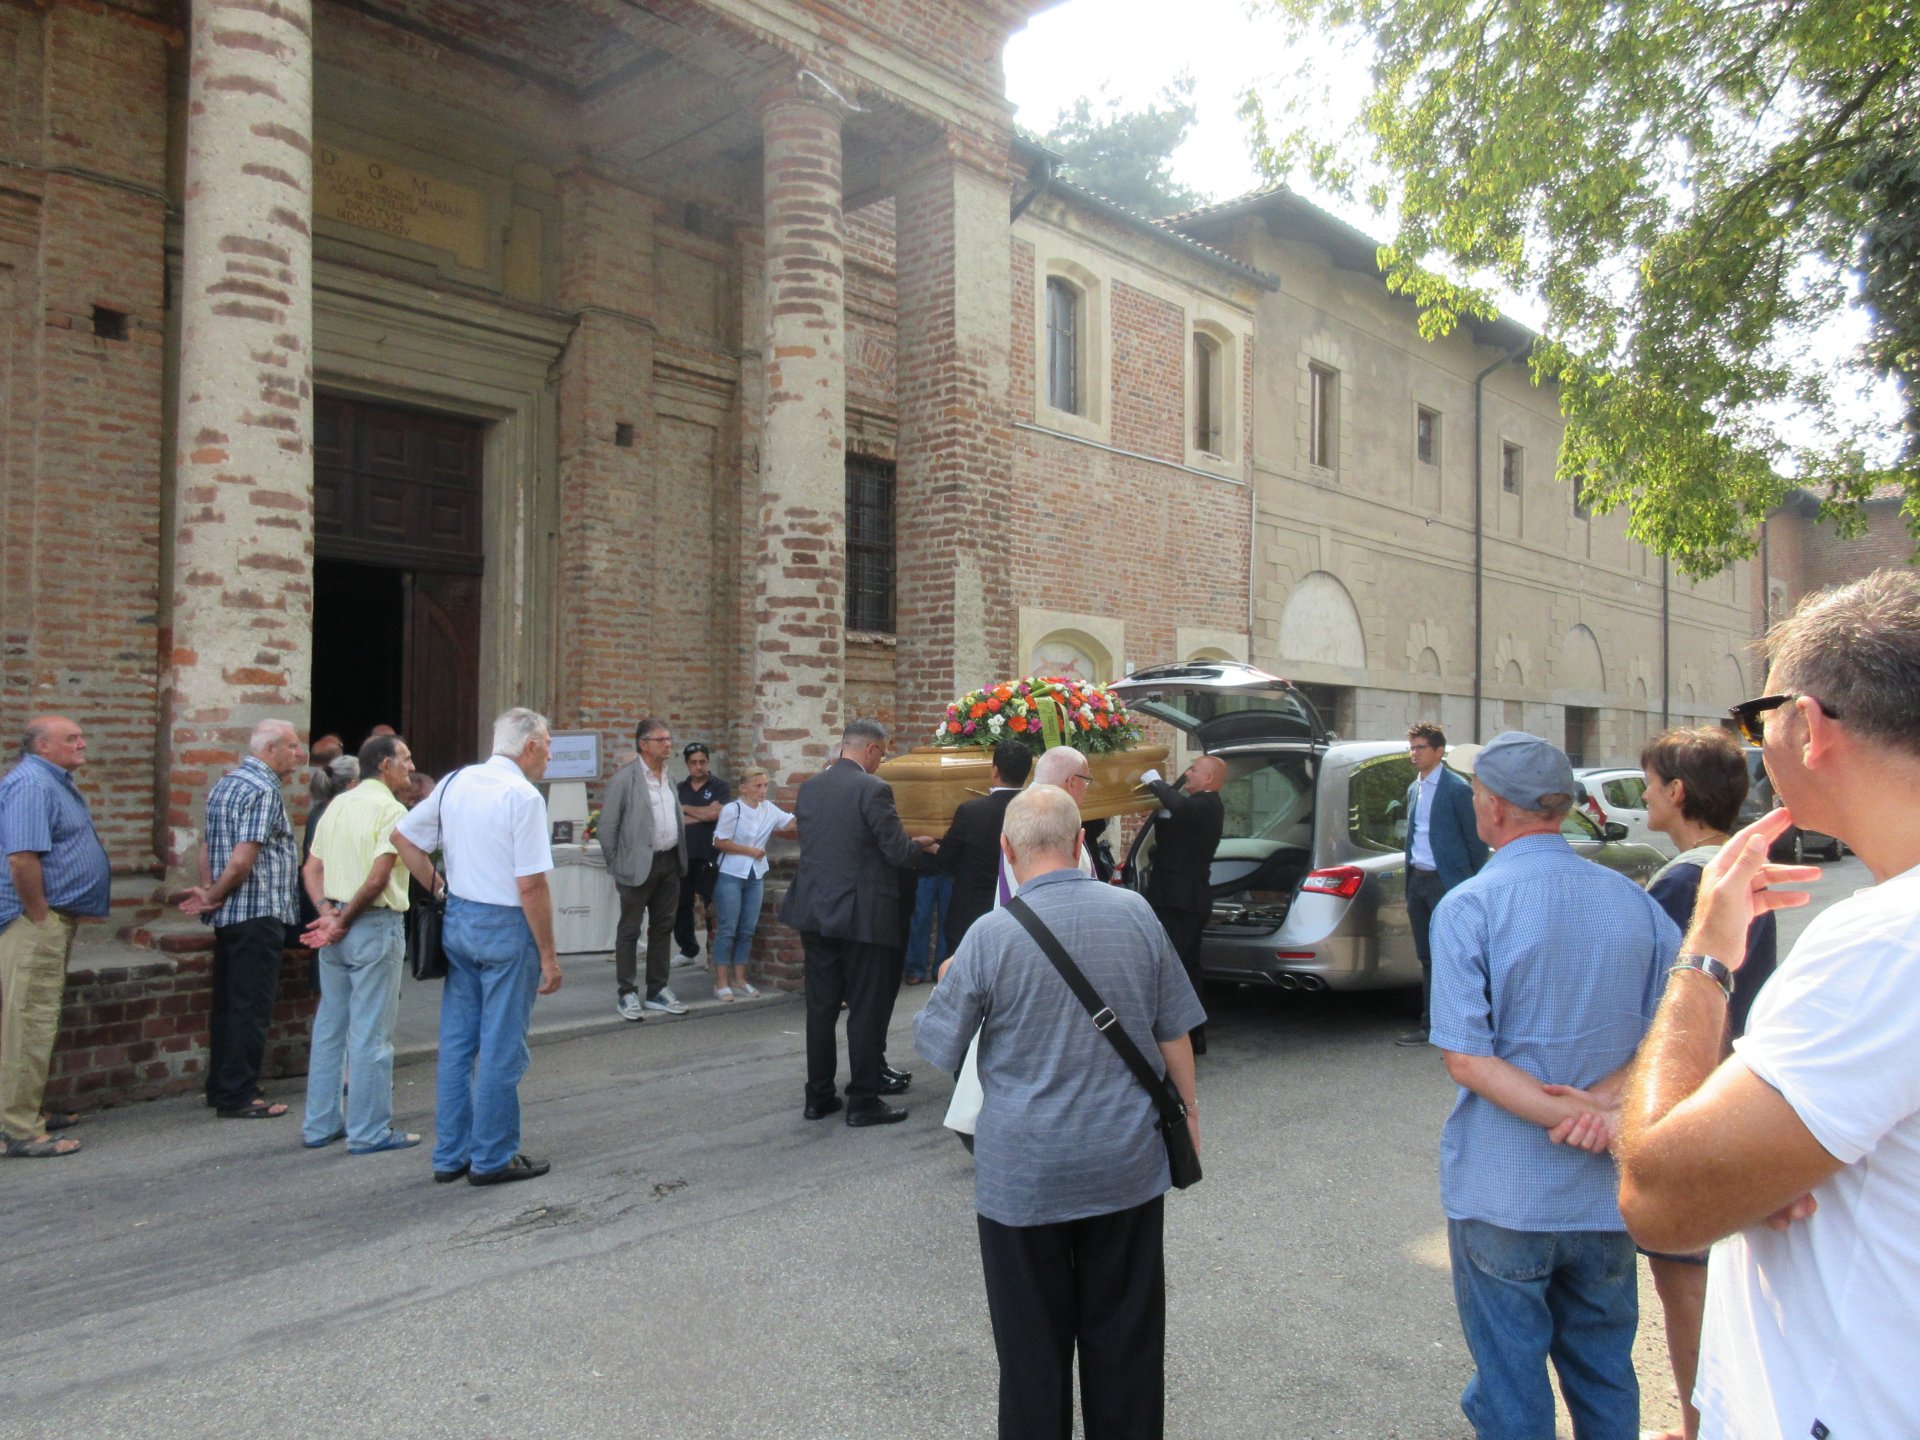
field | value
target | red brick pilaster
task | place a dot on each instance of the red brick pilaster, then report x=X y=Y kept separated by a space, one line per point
x=799 y=571
x=609 y=509
x=955 y=601
x=242 y=582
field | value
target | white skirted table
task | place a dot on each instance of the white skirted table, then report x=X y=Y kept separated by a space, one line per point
x=586 y=906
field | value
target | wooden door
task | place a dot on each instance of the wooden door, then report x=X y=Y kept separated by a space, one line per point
x=441 y=683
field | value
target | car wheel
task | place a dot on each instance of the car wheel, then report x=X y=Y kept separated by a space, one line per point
x=1797 y=852
x=1836 y=851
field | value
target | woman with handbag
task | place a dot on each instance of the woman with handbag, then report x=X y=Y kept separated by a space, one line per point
x=740 y=839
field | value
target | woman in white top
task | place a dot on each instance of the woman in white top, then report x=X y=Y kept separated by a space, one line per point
x=740 y=838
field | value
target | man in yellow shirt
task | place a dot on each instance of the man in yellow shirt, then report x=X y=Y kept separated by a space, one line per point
x=362 y=899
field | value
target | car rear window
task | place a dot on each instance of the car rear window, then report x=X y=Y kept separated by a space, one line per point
x=1627 y=792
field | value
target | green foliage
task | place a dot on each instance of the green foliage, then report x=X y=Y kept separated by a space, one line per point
x=1691 y=188
x=1123 y=155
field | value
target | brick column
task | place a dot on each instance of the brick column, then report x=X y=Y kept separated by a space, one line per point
x=799 y=570
x=608 y=666
x=242 y=624
x=955 y=607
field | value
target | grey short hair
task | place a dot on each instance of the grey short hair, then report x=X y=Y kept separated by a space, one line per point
x=1856 y=649
x=863 y=732
x=515 y=729
x=266 y=732
x=30 y=739
x=1042 y=820
x=1059 y=764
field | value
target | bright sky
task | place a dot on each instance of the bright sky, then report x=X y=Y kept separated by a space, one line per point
x=1135 y=47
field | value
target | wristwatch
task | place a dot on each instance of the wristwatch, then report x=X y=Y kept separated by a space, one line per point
x=1707 y=966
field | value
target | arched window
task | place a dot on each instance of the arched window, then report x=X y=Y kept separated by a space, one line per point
x=1209 y=410
x=1064 y=326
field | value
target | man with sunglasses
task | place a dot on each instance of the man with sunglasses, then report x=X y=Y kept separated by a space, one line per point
x=1800 y=1153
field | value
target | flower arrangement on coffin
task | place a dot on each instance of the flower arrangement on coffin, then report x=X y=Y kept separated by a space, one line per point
x=1039 y=711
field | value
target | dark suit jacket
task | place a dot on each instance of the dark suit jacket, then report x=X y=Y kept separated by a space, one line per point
x=971 y=850
x=1183 y=859
x=1458 y=850
x=850 y=845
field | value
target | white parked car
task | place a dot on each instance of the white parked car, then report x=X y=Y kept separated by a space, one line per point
x=1622 y=794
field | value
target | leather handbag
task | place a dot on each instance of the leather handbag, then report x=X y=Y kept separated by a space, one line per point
x=1183 y=1161
x=425 y=959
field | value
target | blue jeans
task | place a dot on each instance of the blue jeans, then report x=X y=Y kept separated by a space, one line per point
x=493 y=973
x=359 y=998
x=930 y=900
x=1526 y=1297
x=736 y=915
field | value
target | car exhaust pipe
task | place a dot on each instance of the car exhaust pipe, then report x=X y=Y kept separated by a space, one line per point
x=1286 y=981
x=1309 y=982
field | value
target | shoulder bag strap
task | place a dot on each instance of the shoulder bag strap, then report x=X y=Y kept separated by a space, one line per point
x=1104 y=1020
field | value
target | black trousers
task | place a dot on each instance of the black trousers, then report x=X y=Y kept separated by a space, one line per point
x=698 y=883
x=1185 y=928
x=1424 y=893
x=1099 y=1284
x=246 y=981
x=649 y=904
x=866 y=977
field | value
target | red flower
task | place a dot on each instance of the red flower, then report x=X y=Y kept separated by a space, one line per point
x=953 y=727
x=979 y=710
x=1019 y=722
x=993 y=704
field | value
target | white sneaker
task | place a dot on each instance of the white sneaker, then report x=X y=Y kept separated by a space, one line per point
x=667 y=1003
x=630 y=1006
x=748 y=990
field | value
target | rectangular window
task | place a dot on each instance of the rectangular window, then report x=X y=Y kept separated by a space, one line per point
x=1323 y=440
x=1581 y=510
x=1063 y=346
x=1206 y=394
x=870 y=552
x=1512 y=462
x=1426 y=435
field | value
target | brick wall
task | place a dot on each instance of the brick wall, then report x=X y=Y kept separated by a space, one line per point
x=138 y=1031
x=80 y=546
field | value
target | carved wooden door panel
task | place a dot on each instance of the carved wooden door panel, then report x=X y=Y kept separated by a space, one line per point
x=440 y=695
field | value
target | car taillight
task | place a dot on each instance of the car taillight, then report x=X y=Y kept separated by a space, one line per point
x=1343 y=882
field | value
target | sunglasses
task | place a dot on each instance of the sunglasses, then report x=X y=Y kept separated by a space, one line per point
x=1746 y=715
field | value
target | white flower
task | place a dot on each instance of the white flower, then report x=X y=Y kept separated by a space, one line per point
x=996 y=723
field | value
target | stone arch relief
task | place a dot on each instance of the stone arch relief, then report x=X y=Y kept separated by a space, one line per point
x=1321 y=625
x=1581 y=667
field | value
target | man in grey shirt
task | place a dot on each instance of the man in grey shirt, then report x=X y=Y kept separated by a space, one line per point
x=1069 y=1165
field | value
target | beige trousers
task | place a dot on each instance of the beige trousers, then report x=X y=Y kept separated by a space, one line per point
x=33 y=979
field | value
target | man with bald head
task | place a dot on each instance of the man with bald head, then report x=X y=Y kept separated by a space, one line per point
x=1180 y=885
x=251 y=904
x=56 y=874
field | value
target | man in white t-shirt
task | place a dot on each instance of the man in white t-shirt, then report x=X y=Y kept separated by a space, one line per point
x=1801 y=1152
x=490 y=824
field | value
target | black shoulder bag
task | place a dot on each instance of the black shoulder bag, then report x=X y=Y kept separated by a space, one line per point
x=1182 y=1159
x=426 y=960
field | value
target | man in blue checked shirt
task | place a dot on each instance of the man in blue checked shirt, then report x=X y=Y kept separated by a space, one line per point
x=1547 y=970
x=254 y=861
x=56 y=874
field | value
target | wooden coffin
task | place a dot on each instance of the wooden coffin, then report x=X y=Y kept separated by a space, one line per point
x=930 y=782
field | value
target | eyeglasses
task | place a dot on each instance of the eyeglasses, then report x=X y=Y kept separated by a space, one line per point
x=1746 y=715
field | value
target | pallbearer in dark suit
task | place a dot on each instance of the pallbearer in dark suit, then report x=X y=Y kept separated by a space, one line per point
x=971 y=846
x=1180 y=888
x=1443 y=847
x=845 y=902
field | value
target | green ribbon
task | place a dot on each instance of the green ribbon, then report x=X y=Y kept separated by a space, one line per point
x=1050 y=721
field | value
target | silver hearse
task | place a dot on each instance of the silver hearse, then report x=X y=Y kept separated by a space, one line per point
x=1308 y=878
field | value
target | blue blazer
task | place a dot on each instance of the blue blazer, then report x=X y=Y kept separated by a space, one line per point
x=1458 y=850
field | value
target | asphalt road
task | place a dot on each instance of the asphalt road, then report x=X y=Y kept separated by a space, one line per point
x=704 y=1263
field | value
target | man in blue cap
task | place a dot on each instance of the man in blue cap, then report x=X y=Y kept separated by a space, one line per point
x=1547 y=970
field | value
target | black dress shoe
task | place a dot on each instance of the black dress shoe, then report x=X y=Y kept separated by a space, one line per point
x=878 y=1113
x=1412 y=1038
x=894 y=1085
x=518 y=1168
x=447 y=1177
x=823 y=1109
x=902 y=1078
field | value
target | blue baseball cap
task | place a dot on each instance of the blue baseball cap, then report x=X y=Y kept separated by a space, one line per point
x=1523 y=769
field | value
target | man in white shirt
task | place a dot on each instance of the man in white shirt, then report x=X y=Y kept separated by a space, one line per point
x=643 y=834
x=1803 y=1148
x=490 y=823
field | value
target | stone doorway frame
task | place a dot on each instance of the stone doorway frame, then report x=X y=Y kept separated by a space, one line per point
x=383 y=340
